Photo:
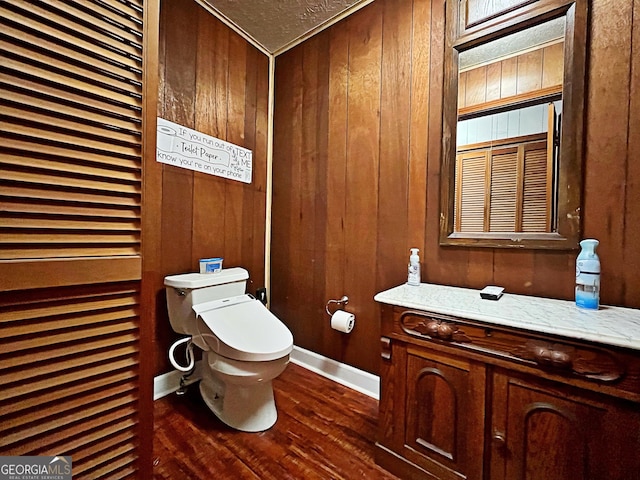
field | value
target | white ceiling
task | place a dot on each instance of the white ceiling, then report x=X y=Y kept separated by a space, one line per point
x=276 y=25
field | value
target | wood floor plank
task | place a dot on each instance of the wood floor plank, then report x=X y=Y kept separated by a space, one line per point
x=324 y=431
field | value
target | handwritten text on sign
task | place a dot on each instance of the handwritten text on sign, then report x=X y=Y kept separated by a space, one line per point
x=193 y=150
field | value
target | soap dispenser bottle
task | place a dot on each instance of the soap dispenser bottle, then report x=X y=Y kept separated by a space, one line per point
x=588 y=275
x=414 y=268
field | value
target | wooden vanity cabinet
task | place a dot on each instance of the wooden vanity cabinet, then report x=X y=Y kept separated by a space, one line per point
x=477 y=404
x=544 y=430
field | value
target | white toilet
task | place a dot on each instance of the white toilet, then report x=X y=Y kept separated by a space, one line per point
x=244 y=345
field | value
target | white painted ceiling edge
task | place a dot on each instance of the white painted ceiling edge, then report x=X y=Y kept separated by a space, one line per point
x=275 y=26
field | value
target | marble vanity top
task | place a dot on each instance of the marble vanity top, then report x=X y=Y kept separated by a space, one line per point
x=615 y=326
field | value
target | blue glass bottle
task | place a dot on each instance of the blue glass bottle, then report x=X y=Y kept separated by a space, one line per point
x=588 y=275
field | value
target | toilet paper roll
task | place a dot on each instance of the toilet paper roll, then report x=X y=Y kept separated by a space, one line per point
x=343 y=321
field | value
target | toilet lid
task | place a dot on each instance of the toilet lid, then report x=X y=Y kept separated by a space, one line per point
x=243 y=329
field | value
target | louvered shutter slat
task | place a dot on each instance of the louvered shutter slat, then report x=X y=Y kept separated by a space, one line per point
x=472 y=200
x=504 y=168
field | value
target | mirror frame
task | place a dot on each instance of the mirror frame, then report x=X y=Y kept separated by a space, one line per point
x=570 y=180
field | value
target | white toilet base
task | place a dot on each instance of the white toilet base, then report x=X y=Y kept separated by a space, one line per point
x=245 y=408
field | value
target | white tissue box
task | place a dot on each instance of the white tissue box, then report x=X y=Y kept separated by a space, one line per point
x=210 y=265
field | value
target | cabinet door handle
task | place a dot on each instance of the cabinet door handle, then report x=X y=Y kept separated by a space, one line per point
x=385 y=344
x=499 y=439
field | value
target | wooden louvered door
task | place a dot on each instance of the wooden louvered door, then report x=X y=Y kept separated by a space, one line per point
x=536 y=188
x=504 y=188
x=504 y=207
x=471 y=191
x=72 y=113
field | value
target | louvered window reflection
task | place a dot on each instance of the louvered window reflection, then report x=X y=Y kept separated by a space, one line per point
x=71 y=115
x=504 y=186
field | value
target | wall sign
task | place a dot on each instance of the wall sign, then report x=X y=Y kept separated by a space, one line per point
x=183 y=147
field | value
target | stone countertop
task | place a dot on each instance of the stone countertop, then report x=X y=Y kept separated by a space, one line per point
x=615 y=326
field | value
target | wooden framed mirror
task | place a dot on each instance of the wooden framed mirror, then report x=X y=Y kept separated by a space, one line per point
x=511 y=173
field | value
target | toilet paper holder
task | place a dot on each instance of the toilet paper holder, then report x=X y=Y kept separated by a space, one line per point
x=344 y=300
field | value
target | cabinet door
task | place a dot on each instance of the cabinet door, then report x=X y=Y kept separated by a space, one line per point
x=445 y=414
x=547 y=431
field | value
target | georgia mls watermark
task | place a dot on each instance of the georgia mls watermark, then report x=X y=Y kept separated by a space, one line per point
x=35 y=468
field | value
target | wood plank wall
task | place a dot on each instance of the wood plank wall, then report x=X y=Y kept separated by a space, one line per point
x=357 y=153
x=345 y=213
x=528 y=73
x=213 y=81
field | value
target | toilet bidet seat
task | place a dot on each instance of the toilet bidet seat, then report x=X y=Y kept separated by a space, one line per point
x=242 y=328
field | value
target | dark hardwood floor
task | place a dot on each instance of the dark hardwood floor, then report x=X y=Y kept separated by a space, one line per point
x=324 y=431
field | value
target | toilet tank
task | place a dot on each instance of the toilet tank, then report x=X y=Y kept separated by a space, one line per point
x=188 y=289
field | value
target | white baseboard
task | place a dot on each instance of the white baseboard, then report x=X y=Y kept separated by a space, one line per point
x=359 y=380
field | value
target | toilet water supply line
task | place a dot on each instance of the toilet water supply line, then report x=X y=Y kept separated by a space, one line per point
x=188 y=354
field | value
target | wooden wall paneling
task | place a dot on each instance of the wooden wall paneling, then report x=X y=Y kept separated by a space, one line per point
x=480 y=268
x=234 y=192
x=631 y=240
x=247 y=227
x=180 y=83
x=312 y=211
x=254 y=204
x=162 y=64
x=176 y=225
x=299 y=280
x=209 y=219
x=462 y=89
x=529 y=71
x=524 y=74
x=516 y=280
x=320 y=192
x=395 y=108
x=286 y=274
x=219 y=117
x=310 y=191
x=234 y=224
x=157 y=306
x=363 y=104
x=211 y=117
x=418 y=133
x=554 y=275
x=282 y=190
x=180 y=30
x=552 y=65
x=606 y=139
x=211 y=60
x=260 y=168
x=508 y=82
x=334 y=279
x=494 y=80
x=442 y=264
x=476 y=86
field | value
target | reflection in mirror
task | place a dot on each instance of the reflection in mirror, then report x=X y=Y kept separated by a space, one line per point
x=509 y=106
x=511 y=167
